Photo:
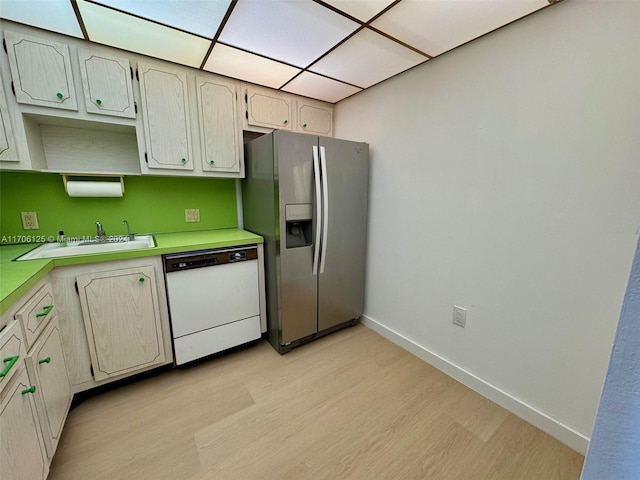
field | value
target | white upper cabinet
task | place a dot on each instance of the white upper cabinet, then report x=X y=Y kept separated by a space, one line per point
x=7 y=142
x=41 y=71
x=107 y=84
x=267 y=108
x=220 y=139
x=165 y=109
x=314 y=117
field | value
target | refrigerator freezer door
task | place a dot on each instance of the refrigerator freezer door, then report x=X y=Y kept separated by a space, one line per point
x=298 y=284
x=341 y=286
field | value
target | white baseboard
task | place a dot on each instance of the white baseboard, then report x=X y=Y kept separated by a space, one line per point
x=544 y=422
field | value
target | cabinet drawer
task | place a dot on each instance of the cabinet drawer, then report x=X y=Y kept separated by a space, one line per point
x=35 y=314
x=12 y=351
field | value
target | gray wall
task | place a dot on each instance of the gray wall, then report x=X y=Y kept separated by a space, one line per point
x=505 y=178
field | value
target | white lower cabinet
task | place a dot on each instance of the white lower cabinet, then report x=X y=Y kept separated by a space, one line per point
x=113 y=319
x=22 y=453
x=47 y=370
x=35 y=394
x=122 y=321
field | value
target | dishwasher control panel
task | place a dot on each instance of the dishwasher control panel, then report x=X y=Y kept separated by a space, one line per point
x=208 y=258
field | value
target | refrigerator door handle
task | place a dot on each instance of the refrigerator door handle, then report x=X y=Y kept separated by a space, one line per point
x=316 y=175
x=325 y=208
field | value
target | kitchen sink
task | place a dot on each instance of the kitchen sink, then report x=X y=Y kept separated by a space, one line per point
x=71 y=249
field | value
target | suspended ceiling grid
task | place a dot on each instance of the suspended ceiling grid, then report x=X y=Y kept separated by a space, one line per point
x=327 y=50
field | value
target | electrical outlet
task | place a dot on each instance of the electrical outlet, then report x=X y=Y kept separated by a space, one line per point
x=29 y=220
x=192 y=215
x=459 y=316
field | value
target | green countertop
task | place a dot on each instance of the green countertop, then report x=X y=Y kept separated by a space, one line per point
x=16 y=278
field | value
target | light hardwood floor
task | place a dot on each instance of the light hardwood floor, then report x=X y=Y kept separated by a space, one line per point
x=349 y=406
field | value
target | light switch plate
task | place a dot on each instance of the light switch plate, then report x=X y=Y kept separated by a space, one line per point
x=459 y=316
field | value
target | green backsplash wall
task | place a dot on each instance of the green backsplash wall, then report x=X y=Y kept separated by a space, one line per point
x=150 y=204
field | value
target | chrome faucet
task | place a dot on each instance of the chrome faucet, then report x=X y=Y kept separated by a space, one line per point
x=130 y=235
x=101 y=237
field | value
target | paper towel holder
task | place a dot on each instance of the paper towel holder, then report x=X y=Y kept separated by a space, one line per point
x=106 y=178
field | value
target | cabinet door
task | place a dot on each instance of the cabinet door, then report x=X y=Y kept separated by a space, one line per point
x=41 y=71
x=122 y=320
x=107 y=84
x=7 y=142
x=22 y=454
x=314 y=117
x=165 y=114
x=267 y=108
x=219 y=136
x=48 y=371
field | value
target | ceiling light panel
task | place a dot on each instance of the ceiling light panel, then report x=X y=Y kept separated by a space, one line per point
x=316 y=86
x=202 y=17
x=243 y=65
x=295 y=32
x=136 y=35
x=363 y=10
x=440 y=25
x=55 y=15
x=367 y=58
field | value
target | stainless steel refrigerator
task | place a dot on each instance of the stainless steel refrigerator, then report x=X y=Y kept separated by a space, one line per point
x=307 y=196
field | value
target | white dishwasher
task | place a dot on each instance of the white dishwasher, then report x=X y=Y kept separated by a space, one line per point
x=214 y=300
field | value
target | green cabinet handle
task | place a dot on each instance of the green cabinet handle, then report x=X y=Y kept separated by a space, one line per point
x=31 y=389
x=304 y=125
x=44 y=360
x=59 y=95
x=183 y=160
x=141 y=279
x=286 y=121
x=45 y=311
x=10 y=362
x=98 y=101
x=211 y=162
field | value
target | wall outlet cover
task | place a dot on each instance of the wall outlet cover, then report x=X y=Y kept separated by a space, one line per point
x=459 y=316
x=192 y=215
x=29 y=220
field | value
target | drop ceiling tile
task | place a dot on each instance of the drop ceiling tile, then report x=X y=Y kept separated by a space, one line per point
x=243 y=65
x=55 y=15
x=323 y=88
x=202 y=17
x=367 y=58
x=123 y=31
x=295 y=32
x=440 y=25
x=363 y=10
